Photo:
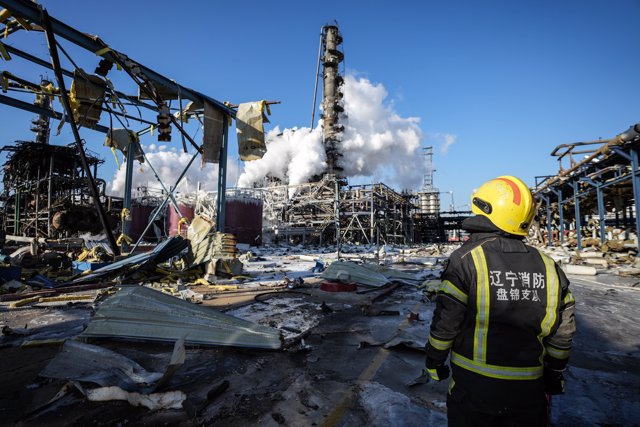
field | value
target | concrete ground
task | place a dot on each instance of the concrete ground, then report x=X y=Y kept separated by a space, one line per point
x=339 y=374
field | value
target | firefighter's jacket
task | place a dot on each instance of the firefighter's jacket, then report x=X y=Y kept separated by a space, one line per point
x=504 y=312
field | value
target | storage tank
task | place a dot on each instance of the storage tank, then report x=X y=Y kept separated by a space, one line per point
x=140 y=215
x=173 y=220
x=430 y=203
x=243 y=219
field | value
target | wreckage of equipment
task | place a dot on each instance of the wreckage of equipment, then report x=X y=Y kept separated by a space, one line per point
x=46 y=191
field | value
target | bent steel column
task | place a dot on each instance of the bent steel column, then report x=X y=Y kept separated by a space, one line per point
x=64 y=97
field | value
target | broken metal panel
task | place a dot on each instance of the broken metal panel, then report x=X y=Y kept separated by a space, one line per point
x=250 y=120
x=162 y=252
x=351 y=272
x=79 y=361
x=213 y=133
x=124 y=140
x=139 y=313
x=396 y=275
x=86 y=96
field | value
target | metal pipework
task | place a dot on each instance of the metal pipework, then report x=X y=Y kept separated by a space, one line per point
x=629 y=135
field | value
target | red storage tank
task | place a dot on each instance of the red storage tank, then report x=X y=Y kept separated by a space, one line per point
x=243 y=219
x=140 y=215
x=173 y=220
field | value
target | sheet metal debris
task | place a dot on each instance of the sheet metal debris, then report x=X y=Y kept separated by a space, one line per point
x=140 y=313
x=347 y=271
x=133 y=263
x=250 y=120
x=83 y=362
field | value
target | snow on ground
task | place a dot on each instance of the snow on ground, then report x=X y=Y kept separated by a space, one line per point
x=603 y=380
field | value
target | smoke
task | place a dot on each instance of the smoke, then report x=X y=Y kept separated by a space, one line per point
x=169 y=164
x=293 y=155
x=376 y=142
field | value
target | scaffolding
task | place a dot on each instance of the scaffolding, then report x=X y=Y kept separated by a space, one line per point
x=303 y=213
x=376 y=214
x=329 y=211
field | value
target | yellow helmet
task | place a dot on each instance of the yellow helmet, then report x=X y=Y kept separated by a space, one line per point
x=507 y=202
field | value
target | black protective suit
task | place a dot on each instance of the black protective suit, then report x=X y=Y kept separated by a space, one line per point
x=505 y=315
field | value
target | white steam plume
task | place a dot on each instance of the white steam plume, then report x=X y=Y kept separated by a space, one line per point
x=376 y=141
x=169 y=164
x=293 y=155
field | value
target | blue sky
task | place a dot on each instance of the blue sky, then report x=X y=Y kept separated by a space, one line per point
x=510 y=80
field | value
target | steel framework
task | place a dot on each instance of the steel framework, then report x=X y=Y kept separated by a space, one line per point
x=604 y=185
x=156 y=91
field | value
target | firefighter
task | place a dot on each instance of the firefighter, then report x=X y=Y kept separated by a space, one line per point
x=504 y=314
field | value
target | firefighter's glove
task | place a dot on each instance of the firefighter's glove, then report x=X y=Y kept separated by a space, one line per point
x=553 y=381
x=438 y=371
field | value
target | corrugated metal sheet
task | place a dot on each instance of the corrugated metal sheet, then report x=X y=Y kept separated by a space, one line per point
x=140 y=313
x=395 y=275
x=347 y=271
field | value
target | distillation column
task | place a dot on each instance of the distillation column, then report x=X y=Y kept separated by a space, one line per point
x=332 y=94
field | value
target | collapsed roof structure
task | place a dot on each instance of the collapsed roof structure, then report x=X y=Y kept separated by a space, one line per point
x=601 y=184
x=90 y=95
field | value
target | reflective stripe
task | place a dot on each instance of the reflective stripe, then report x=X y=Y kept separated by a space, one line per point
x=440 y=344
x=557 y=353
x=568 y=298
x=451 y=289
x=495 y=371
x=553 y=286
x=482 y=306
x=452 y=384
x=433 y=373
